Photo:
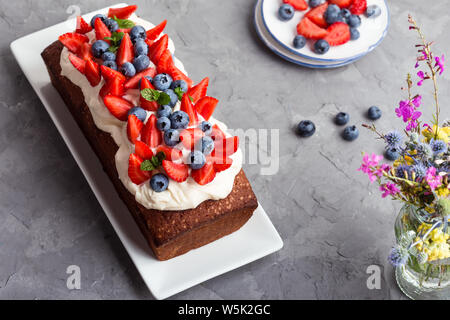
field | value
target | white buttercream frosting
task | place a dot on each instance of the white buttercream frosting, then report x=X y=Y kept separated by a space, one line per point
x=178 y=196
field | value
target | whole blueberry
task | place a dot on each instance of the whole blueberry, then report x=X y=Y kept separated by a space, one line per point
x=299 y=41
x=99 y=48
x=342 y=118
x=306 y=128
x=333 y=14
x=179 y=84
x=179 y=120
x=354 y=21
x=140 y=113
x=109 y=56
x=111 y=24
x=206 y=127
x=321 y=46
x=164 y=111
x=373 y=11
x=354 y=34
x=206 y=145
x=345 y=13
x=159 y=182
x=140 y=48
x=374 y=113
x=137 y=32
x=110 y=64
x=171 y=137
x=173 y=97
x=286 y=12
x=128 y=69
x=197 y=160
x=162 y=81
x=392 y=153
x=101 y=16
x=350 y=133
x=163 y=123
x=315 y=3
x=141 y=63
x=146 y=77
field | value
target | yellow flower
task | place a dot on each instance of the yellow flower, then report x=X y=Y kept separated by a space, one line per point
x=442 y=133
x=443 y=192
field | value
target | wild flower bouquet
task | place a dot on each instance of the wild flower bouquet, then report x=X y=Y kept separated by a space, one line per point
x=419 y=176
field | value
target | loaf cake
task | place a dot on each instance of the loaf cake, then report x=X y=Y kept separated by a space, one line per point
x=176 y=168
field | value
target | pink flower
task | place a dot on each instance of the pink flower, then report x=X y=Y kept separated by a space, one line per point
x=417 y=101
x=407 y=111
x=380 y=170
x=421 y=75
x=432 y=179
x=389 y=189
x=369 y=164
x=440 y=64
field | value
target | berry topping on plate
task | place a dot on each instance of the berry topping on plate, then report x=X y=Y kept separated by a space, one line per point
x=338 y=33
x=299 y=41
x=316 y=15
x=358 y=6
x=286 y=12
x=321 y=46
x=341 y=3
x=310 y=30
x=297 y=4
x=122 y=13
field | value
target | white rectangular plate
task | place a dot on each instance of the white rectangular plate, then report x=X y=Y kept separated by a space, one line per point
x=256 y=239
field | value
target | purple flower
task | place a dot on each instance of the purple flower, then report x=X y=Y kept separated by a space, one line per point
x=417 y=101
x=440 y=64
x=398 y=256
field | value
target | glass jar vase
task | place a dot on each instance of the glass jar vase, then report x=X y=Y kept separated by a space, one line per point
x=426 y=273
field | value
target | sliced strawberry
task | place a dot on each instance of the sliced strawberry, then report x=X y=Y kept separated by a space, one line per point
x=205 y=106
x=217 y=134
x=73 y=41
x=178 y=172
x=124 y=30
x=122 y=13
x=225 y=147
x=92 y=72
x=133 y=83
x=297 y=4
x=310 y=30
x=220 y=163
x=186 y=106
x=137 y=176
x=150 y=134
x=190 y=137
x=113 y=87
x=78 y=63
x=358 y=6
x=204 y=175
x=145 y=104
x=85 y=51
x=172 y=154
x=149 y=42
x=125 y=52
x=82 y=26
x=165 y=63
x=118 y=106
x=110 y=74
x=154 y=33
x=199 y=90
x=101 y=30
x=143 y=150
x=341 y=3
x=134 y=127
x=316 y=15
x=177 y=74
x=157 y=48
x=338 y=33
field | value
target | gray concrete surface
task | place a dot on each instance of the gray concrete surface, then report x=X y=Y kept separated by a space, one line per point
x=333 y=222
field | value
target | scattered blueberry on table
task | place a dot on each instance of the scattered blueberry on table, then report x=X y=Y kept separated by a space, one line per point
x=350 y=133
x=374 y=113
x=342 y=118
x=306 y=128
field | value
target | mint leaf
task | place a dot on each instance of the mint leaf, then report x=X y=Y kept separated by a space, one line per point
x=124 y=23
x=163 y=99
x=192 y=99
x=154 y=163
x=114 y=41
x=150 y=94
x=179 y=93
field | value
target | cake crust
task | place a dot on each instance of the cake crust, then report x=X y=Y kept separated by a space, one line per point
x=169 y=233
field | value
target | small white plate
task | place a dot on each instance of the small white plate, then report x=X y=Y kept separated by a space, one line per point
x=283 y=52
x=256 y=239
x=372 y=30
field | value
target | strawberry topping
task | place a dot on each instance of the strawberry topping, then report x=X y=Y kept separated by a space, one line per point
x=143 y=150
x=205 y=106
x=118 y=106
x=204 y=175
x=199 y=90
x=178 y=172
x=122 y=13
x=73 y=41
x=134 y=127
x=150 y=134
x=154 y=33
x=137 y=176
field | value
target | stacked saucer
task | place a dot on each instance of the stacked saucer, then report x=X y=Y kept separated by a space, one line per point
x=278 y=35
